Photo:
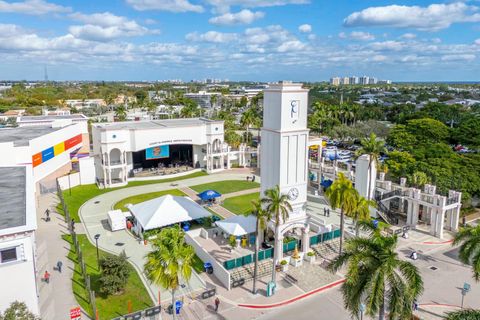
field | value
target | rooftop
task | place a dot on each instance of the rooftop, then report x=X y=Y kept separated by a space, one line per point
x=21 y=136
x=51 y=118
x=154 y=124
x=12 y=197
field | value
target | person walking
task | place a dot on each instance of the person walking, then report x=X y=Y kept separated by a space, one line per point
x=72 y=224
x=46 y=277
x=47 y=215
x=59 y=266
x=217 y=304
x=415 y=305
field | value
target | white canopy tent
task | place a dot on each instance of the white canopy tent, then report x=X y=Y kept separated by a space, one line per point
x=238 y=225
x=166 y=210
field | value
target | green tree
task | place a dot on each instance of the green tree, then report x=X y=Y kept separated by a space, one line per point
x=115 y=273
x=372 y=147
x=278 y=206
x=233 y=138
x=428 y=130
x=249 y=118
x=121 y=113
x=170 y=260
x=262 y=216
x=359 y=210
x=400 y=163
x=18 y=311
x=464 y=314
x=468 y=132
x=469 y=240
x=377 y=277
x=419 y=179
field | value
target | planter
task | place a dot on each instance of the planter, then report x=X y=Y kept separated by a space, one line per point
x=296 y=262
x=310 y=259
x=284 y=267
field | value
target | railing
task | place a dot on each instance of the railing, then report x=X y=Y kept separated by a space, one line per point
x=114 y=163
x=240 y=262
x=394 y=193
x=319 y=238
x=452 y=200
x=388 y=215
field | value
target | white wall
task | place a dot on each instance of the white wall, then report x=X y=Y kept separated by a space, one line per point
x=18 y=278
x=87 y=170
x=218 y=270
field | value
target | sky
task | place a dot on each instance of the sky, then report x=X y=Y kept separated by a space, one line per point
x=254 y=40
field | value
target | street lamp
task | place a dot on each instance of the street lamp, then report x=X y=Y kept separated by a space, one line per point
x=465 y=290
x=97 y=236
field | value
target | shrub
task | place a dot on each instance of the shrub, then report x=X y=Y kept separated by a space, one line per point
x=310 y=253
x=115 y=272
x=283 y=262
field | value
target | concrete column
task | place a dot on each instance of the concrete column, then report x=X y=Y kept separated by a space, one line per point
x=433 y=221
x=415 y=213
x=319 y=153
x=455 y=218
x=305 y=240
x=448 y=217
x=409 y=213
x=440 y=222
x=109 y=177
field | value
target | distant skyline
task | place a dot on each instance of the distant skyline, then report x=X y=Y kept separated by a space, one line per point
x=256 y=40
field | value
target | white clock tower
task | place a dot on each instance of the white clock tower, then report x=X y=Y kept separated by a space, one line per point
x=284 y=155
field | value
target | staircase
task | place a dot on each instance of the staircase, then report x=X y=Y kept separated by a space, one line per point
x=246 y=272
x=327 y=249
x=390 y=216
x=391 y=194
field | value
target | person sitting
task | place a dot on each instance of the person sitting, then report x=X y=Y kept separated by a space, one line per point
x=413 y=255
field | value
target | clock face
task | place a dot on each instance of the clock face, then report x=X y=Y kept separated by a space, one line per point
x=294 y=105
x=293 y=194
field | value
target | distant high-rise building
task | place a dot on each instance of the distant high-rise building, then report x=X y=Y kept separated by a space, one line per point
x=346 y=80
x=354 y=80
x=372 y=80
x=365 y=80
x=335 y=81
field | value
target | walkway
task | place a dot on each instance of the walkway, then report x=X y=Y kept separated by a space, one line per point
x=56 y=298
x=93 y=215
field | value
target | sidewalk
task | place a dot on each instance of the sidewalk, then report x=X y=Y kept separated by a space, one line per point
x=56 y=298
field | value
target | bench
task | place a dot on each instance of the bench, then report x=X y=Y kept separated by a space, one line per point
x=290 y=278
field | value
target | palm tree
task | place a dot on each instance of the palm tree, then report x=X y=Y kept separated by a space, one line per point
x=278 y=206
x=469 y=240
x=249 y=118
x=170 y=260
x=373 y=148
x=465 y=314
x=263 y=217
x=121 y=113
x=360 y=210
x=378 y=277
x=341 y=195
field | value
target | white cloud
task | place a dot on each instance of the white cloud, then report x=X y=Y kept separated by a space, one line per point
x=224 y=5
x=32 y=7
x=312 y=37
x=408 y=36
x=106 y=26
x=211 y=36
x=305 y=28
x=243 y=17
x=432 y=18
x=291 y=46
x=379 y=58
x=165 y=5
x=477 y=42
x=387 y=45
x=357 y=35
x=458 y=57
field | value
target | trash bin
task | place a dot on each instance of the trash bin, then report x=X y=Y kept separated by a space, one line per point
x=186 y=227
x=270 y=289
x=178 y=306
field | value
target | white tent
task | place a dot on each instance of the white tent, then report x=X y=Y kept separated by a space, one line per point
x=166 y=210
x=238 y=225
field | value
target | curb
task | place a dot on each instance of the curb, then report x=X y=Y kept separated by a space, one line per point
x=437 y=242
x=439 y=305
x=283 y=303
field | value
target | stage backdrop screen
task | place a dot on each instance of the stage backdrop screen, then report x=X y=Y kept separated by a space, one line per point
x=157 y=152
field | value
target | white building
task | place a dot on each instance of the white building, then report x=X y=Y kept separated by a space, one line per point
x=354 y=80
x=48 y=120
x=346 y=81
x=17 y=238
x=125 y=148
x=50 y=149
x=335 y=81
x=364 y=80
x=204 y=99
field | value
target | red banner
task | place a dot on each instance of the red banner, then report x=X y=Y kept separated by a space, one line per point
x=75 y=313
x=72 y=142
x=36 y=159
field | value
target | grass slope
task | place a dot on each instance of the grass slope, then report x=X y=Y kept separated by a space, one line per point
x=81 y=194
x=241 y=204
x=227 y=186
x=146 y=196
x=111 y=306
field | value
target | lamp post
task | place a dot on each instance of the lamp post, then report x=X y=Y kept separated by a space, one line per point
x=465 y=290
x=97 y=236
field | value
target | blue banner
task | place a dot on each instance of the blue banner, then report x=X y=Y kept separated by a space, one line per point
x=157 y=152
x=47 y=154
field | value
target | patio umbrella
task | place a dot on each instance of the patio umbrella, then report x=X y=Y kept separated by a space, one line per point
x=209 y=195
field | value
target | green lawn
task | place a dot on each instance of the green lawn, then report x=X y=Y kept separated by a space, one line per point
x=111 y=306
x=241 y=204
x=227 y=186
x=82 y=194
x=198 y=264
x=144 y=197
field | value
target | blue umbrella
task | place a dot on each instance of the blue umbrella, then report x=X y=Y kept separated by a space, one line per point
x=209 y=195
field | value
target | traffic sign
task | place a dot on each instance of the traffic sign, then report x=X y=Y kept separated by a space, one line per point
x=75 y=313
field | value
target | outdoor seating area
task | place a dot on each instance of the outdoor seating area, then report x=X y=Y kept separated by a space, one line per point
x=217 y=245
x=160 y=171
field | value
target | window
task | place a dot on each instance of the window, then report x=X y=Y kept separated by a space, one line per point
x=8 y=255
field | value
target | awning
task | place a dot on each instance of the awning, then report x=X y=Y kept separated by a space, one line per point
x=209 y=195
x=167 y=210
x=238 y=225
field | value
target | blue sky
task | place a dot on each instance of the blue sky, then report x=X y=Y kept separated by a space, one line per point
x=263 y=40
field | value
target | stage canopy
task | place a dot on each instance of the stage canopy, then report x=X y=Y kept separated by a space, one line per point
x=238 y=225
x=209 y=195
x=167 y=210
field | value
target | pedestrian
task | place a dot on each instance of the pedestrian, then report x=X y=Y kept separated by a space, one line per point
x=47 y=215
x=46 y=277
x=415 y=305
x=413 y=255
x=328 y=212
x=217 y=304
x=324 y=212
x=253 y=178
x=72 y=224
x=59 y=266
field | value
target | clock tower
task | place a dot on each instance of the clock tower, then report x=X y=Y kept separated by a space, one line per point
x=284 y=155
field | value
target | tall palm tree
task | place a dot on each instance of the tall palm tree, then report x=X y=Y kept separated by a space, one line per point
x=373 y=148
x=121 y=113
x=170 y=260
x=359 y=210
x=469 y=240
x=377 y=277
x=249 y=118
x=341 y=195
x=278 y=206
x=263 y=217
x=465 y=314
